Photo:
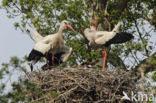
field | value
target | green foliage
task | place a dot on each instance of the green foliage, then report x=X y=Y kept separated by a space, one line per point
x=16 y=95
x=45 y=16
x=3 y=99
x=32 y=87
x=16 y=25
x=154 y=77
x=7 y=70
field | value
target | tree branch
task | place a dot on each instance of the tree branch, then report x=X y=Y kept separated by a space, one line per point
x=123 y=5
x=140 y=35
x=103 y=4
x=32 y=17
x=147 y=65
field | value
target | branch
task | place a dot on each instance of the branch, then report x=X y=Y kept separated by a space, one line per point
x=123 y=5
x=120 y=64
x=109 y=25
x=103 y=4
x=32 y=18
x=140 y=35
x=147 y=65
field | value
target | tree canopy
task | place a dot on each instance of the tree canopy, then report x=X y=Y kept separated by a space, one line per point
x=45 y=16
x=137 y=16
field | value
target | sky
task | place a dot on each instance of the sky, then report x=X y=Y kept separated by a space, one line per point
x=12 y=42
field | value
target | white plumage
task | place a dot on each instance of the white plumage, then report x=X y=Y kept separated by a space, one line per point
x=42 y=47
x=106 y=38
x=53 y=43
x=100 y=37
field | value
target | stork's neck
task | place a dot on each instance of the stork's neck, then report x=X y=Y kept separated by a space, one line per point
x=60 y=31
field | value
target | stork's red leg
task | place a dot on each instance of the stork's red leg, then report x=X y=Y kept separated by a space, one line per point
x=95 y=23
x=104 y=58
x=53 y=60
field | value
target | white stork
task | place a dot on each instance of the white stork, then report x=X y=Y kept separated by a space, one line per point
x=53 y=43
x=36 y=36
x=106 y=38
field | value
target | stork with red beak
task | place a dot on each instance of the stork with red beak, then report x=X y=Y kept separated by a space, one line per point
x=106 y=38
x=53 y=43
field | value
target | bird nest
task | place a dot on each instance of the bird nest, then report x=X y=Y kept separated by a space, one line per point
x=81 y=86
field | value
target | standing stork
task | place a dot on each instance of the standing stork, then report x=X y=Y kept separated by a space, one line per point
x=53 y=43
x=106 y=38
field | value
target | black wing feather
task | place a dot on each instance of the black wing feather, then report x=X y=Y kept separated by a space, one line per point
x=34 y=55
x=120 y=37
x=57 y=58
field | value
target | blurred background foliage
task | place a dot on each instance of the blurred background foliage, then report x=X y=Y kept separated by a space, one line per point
x=137 y=16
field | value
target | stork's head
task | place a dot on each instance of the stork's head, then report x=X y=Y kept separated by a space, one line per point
x=92 y=27
x=66 y=25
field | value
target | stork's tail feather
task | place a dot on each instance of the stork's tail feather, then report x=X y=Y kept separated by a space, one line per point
x=120 y=37
x=117 y=26
x=37 y=37
x=35 y=32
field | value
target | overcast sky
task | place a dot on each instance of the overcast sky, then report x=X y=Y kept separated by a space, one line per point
x=12 y=42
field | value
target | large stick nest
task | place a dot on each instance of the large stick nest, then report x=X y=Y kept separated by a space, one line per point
x=81 y=86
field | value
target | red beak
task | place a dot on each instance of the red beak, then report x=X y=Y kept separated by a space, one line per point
x=69 y=27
